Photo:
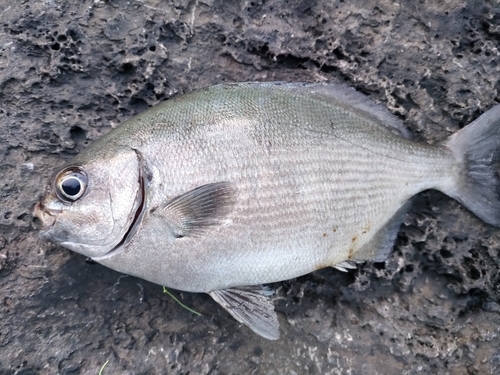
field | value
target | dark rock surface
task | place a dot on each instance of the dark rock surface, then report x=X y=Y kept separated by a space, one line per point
x=72 y=70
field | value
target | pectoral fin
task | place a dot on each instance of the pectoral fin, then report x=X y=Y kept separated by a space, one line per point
x=198 y=209
x=252 y=307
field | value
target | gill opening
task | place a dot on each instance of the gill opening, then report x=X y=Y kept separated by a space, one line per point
x=141 y=196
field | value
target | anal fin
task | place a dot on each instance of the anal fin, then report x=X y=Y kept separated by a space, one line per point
x=345 y=265
x=382 y=243
x=250 y=306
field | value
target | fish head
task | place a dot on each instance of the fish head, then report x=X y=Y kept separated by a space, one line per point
x=90 y=206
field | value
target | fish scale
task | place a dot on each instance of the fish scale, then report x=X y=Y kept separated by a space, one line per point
x=275 y=203
x=234 y=186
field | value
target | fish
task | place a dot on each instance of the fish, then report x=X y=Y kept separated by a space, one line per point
x=235 y=186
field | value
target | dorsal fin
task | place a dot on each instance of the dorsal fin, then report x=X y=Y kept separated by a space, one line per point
x=343 y=96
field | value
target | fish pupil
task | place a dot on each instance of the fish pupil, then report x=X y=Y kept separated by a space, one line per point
x=71 y=186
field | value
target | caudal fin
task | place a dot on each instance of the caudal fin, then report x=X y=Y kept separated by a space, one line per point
x=477 y=147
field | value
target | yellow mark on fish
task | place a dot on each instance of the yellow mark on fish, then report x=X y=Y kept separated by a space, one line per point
x=366 y=229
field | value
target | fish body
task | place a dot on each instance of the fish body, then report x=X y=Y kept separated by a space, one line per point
x=234 y=186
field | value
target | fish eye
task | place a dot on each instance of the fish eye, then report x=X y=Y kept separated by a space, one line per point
x=71 y=184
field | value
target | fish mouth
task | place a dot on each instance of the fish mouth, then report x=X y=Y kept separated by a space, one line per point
x=43 y=219
x=38 y=221
x=138 y=210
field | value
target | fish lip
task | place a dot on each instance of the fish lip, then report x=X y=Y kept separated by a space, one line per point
x=141 y=197
x=43 y=219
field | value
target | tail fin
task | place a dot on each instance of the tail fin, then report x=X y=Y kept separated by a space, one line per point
x=477 y=147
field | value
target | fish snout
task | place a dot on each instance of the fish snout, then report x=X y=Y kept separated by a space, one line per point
x=42 y=220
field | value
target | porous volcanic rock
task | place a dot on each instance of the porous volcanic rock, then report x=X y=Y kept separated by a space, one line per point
x=72 y=70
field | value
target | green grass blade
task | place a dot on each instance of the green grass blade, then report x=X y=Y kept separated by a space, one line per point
x=102 y=368
x=165 y=290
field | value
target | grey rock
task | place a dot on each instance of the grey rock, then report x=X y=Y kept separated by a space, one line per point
x=70 y=71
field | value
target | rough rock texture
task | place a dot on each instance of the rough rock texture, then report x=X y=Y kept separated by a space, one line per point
x=72 y=70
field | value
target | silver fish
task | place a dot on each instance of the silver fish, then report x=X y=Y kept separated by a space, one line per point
x=238 y=185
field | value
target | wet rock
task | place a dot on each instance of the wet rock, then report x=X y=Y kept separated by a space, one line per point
x=70 y=71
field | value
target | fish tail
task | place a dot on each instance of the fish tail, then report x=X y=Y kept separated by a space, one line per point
x=477 y=148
